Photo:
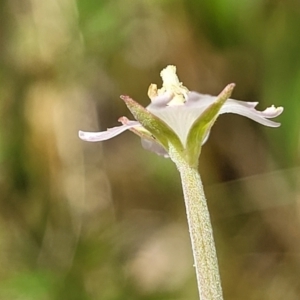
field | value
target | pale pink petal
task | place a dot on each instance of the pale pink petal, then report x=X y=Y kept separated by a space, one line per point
x=160 y=101
x=154 y=147
x=180 y=118
x=247 y=109
x=108 y=134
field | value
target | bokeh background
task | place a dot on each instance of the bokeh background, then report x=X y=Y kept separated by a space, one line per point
x=89 y=221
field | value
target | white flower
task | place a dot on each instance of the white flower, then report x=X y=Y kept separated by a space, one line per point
x=180 y=110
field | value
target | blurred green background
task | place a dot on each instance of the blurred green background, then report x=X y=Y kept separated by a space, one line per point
x=85 y=221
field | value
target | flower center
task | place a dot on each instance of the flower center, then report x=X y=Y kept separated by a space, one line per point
x=171 y=85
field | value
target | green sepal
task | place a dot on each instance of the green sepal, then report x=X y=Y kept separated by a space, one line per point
x=158 y=128
x=202 y=126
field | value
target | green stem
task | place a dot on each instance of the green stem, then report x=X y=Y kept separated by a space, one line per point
x=203 y=246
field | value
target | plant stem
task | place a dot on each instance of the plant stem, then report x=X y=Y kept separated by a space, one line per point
x=203 y=246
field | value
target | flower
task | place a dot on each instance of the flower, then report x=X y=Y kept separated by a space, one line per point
x=180 y=117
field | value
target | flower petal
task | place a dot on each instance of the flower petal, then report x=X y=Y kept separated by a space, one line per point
x=247 y=109
x=108 y=134
x=180 y=117
x=154 y=147
x=196 y=99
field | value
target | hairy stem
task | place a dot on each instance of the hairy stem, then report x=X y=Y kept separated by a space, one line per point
x=203 y=246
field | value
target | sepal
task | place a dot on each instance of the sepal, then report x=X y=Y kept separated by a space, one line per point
x=162 y=133
x=201 y=127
